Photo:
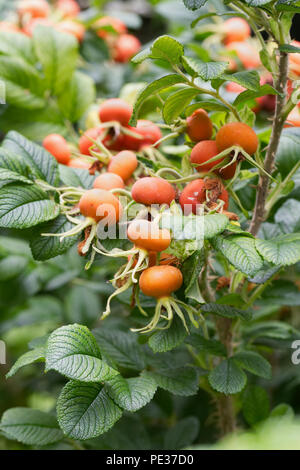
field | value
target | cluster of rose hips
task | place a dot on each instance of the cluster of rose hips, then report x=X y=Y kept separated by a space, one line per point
x=31 y=13
x=113 y=149
x=63 y=17
x=236 y=36
x=123 y=46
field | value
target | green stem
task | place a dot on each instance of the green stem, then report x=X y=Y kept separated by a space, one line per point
x=214 y=94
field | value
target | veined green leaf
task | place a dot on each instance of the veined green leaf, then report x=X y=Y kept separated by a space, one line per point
x=241 y=252
x=250 y=95
x=85 y=410
x=73 y=351
x=35 y=355
x=44 y=248
x=31 y=427
x=8 y=176
x=154 y=87
x=253 y=362
x=167 y=48
x=247 y=79
x=120 y=348
x=42 y=165
x=25 y=206
x=227 y=378
x=180 y=381
x=283 y=250
x=205 y=70
x=166 y=340
x=226 y=311
x=132 y=394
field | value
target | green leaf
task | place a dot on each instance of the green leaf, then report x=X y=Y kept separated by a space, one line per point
x=176 y=102
x=205 y=70
x=76 y=177
x=14 y=246
x=241 y=252
x=182 y=434
x=8 y=176
x=44 y=248
x=37 y=310
x=167 y=48
x=250 y=95
x=132 y=394
x=210 y=105
x=247 y=79
x=179 y=381
x=82 y=305
x=283 y=250
x=165 y=340
x=282 y=411
x=151 y=89
x=256 y=404
x=25 y=206
x=35 y=355
x=286 y=6
x=191 y=270
x=24 y=86
x=16 y=45
x=264 y=274
x=141 y=56
x=85 y=411
x=289 y=48
x=271 y=329
x=287 y=155
x=266 y=59
x=227 y=378
x=120 y=348
x=42 y=165
x=202 y=17
x=15 y=163
x=73 y=351
x=182 y=227
x=257 y=3
x=78 y=95
x=211 y=346
x=31 y=427
x=194 y=4
x=58 y=53
x=194 y=227
x=35 y=125
x=214 y=224
x=254 y=363
x=288 y=216
x=12 y=266
x=226 y=311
